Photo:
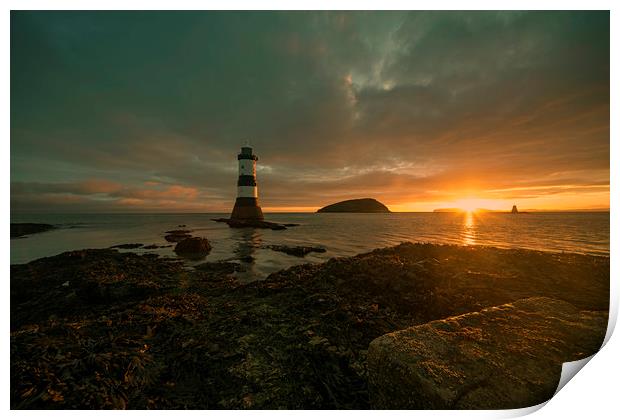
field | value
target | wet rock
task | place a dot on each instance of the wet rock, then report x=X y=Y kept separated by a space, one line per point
x=502 y=357
x=218 y=271
x=154 y=246
x=179 y=231
x=298 y=251
x=177 y=235
x=21 y=229
x=219 y=267
x=127 y=246
x=96 y=276
x=193 y=248
x=176 y=238
x=260 y=224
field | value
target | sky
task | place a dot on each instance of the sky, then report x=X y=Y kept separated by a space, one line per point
x=146 y=111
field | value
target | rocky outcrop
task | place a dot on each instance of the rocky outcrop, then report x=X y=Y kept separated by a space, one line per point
x=127 y=246
x=361 y=205
x=502 y=357
x=79 y=282
x=193 y=248
x=253 y=223
x=177 y=235
x=109 y=329
x=21 y=229
x=297 y=251
x=155 y=246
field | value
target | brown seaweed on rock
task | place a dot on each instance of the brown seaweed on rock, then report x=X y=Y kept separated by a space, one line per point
x=76 y=282
x=159 y=336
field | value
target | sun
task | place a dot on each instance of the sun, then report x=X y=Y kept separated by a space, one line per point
x=470 y=205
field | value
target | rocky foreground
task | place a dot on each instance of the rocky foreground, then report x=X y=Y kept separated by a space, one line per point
x=103 y=329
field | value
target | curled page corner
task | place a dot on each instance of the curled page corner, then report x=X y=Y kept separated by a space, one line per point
x=613 y=314
x=519 y=412
x=570 y=369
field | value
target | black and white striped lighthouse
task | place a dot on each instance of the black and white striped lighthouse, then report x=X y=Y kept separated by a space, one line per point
x=246 y=205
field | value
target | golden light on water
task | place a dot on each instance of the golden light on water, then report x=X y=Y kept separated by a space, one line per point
x=469 y=228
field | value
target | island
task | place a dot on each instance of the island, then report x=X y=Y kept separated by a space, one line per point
x=360 y=205
x=19 y=230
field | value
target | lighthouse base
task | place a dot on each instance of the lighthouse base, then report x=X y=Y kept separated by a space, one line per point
x=246 y=208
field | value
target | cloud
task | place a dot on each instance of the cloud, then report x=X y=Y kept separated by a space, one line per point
x=406 y=107
x=108 y=195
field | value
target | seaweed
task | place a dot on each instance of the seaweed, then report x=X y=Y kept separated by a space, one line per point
x=103 y=329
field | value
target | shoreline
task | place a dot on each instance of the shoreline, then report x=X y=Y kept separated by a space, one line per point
x=104 y=329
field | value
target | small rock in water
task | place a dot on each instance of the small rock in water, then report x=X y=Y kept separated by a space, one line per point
x=298 y=251
x=193 y=248
x=127 y=246
x=177 y=235
x=179 y=231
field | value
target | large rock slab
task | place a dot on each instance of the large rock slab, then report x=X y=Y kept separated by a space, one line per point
x=509 y=356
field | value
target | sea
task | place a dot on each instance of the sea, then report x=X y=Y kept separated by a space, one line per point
x=341 y=234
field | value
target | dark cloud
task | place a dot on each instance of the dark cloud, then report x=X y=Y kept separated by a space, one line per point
x=410 y=108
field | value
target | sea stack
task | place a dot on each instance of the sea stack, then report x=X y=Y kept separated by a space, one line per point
x=514 y=209
x=246 y=205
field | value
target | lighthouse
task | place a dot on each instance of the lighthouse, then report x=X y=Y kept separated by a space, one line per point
x=246 y=205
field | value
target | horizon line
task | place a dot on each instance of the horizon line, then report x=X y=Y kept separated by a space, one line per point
x=593 y=210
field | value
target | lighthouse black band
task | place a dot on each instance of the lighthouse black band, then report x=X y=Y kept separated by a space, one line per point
x=246 y=181
x=244 y=156
x=246 y=202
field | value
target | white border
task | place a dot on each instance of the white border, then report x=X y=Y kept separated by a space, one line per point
x=310 y=5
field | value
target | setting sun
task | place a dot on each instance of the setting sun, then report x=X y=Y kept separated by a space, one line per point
x=473 y=204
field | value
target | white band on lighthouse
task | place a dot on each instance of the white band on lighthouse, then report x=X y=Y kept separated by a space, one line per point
x=243 y=191
x=247 y=167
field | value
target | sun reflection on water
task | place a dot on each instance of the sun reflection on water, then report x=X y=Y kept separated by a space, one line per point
x=469 y=229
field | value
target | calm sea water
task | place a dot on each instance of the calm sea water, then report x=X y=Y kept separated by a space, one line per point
x=340 y=234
